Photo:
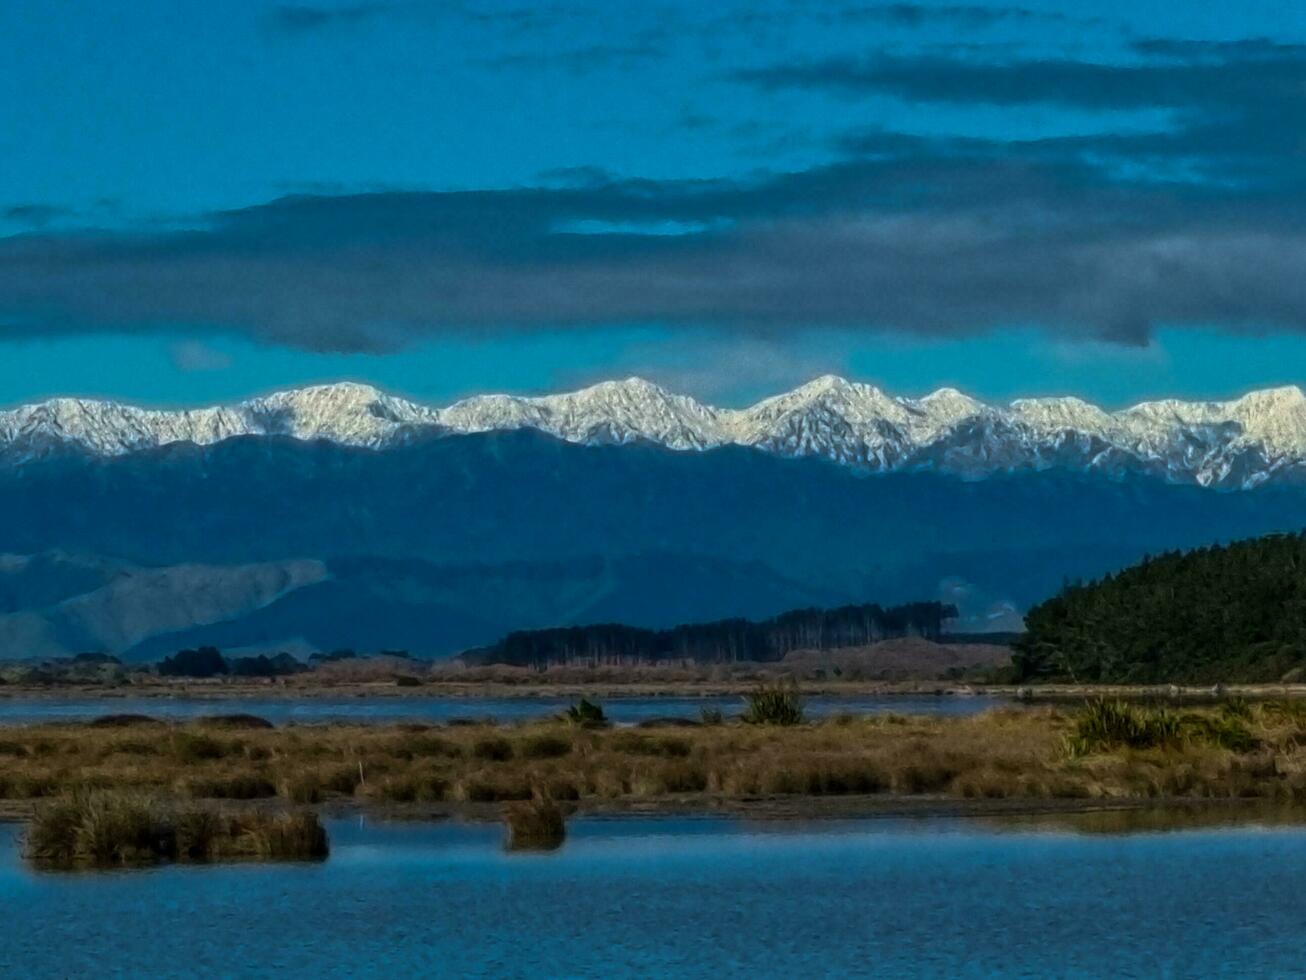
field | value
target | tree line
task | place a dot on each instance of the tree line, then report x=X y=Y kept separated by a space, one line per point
x=723 y=641
x=1226 y=613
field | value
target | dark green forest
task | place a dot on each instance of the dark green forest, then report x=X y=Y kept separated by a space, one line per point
x=1231 y=613
x=718 y=642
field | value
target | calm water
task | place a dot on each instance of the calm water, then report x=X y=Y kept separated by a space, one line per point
x=687 y=898
x=437 y=709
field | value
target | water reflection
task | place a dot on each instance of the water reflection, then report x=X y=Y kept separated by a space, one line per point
x=688 y=897
x=376 y=709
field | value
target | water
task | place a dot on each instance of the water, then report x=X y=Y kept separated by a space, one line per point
x=622 y=710
x=687 y=898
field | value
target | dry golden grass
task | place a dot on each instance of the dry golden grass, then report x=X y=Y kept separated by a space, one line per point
x=1005 y=753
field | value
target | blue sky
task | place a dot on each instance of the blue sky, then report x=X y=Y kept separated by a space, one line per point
x=201 y=201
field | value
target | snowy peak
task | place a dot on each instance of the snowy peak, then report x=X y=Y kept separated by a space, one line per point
x=1256 y=439
x=348 y=413
x=608 y=412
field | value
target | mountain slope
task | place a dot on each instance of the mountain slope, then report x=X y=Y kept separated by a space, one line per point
x=502 y=497
x=1242 y=444
x=370 y=603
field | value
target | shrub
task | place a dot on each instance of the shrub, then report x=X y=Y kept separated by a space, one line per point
x=281 y=665
x=204 y=662
x=586 y=714
x=778 y=704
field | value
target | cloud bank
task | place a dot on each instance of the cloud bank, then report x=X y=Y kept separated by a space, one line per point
x=1101 y=236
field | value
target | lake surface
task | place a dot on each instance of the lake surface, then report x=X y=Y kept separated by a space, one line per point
x=677 y=897
x=622 y=710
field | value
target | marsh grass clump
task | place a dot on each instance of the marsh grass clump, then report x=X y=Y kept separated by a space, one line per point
x=1106 y=724
x=711 y=716
x=103 y=829
x=197 y=747
x=534 y=825
x=586 y=714
x=1226 y=730
x=232 y=786
x=776 y=704
x=545 y=747
x=297 y=836
x=100 y=829
x=495 y=749
x=666 y=746
x=421 y=744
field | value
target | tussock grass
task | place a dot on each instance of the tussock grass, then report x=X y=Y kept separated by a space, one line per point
x=536 y=825
x=101 y=829
x=775 y=704
x=1104 y=725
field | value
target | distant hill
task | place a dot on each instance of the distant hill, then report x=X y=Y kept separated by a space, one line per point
x=992 y=547
x=55 y=604
x=725 y=641
x=1231 y=613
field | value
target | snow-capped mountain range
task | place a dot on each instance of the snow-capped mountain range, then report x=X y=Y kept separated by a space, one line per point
x=1254 y=440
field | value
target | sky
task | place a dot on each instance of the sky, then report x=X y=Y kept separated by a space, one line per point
x=201 y=202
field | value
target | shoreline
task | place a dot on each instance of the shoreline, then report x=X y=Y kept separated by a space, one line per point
x=1180 y=811
x=263 y=690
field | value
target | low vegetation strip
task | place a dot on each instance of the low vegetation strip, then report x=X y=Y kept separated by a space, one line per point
x=102 y=828
x=1103 y=750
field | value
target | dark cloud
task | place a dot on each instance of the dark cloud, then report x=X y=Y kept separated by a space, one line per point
x=934 y=245
x=307 y=19
x=1191 y=83
x=34 y=215
x=1236 y=108
x=1103 y=235
x=921 y=15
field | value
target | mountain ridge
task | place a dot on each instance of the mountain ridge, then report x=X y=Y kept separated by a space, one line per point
x=1242 y=443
